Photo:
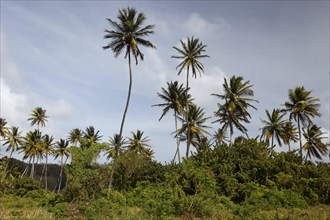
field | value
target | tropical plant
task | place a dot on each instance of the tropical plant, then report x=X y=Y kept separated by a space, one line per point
x=301 y=106
x=61 y=150
x=237 y=97
x=190 y=53
x=90 y=136
x=194 y=129
x=220 y=137
x=3 y=130
x=274 y=127
x=38 y=116
x=128 y=34
x=138 y=144
x=314 y=145
x=14 y=140
x=75 y=136
x=175 y=98
x=47 y=149
x=290 y=133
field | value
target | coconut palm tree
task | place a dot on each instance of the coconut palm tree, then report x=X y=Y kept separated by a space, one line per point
x=175 y=98
x=128 y=34
x=274 y=127
x=116 y=144
x=314 y=145
x=220 y=137
x=75 y=136
x=3 y=130
x=194 y=128
x=61 y=150
x=290 y=133
x=302 y=106
x=14 y=140
x=90 y=136
x=47 y=149
x=138 y=144
x=237 y=97
x=38 y=116
x=190 y=54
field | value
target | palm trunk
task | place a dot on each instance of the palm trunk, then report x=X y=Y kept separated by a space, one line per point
x=289 y=146
x=123 y=120
x=177 y=138
x=32 y=168
x=300 y=149
x=272 y=141
x=231 y=138
x=46 y=174
x=26 y=168
x=187 y=116
x=11 y=154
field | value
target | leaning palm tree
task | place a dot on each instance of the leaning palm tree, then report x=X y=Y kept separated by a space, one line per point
x=314 y=145
x=75 y=136
x=194 y=128
x=13 y=141
x=138 y=144
x=38 y=116
x=127 y=34
x=174 y=98
x=290 y=133
x=61 y=150
x=302 y=106
x=274 y=127
x=237 y=97
x=190 y=53
x=3 y=130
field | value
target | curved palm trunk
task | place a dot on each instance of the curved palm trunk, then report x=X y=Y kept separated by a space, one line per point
x=187 y=116
x=4 y=175
x=123 y=120
x=299 y=131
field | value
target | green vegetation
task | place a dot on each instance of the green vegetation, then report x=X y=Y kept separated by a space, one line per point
x=239 y=178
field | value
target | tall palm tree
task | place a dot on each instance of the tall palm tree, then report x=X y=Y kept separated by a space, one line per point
x=47 y=149
x=61 y=150
x=274 y=127
x=3 y=130
x=75 y=136
x=175 y=98
x=128 y=34
x=38 y=116
x=138 y=144
x=237 y=97
x=290 y=133
x=194 y=128
x=220 y=137
x=302 y=106
x=314 y=145
x=14 y=141
x=190 y=54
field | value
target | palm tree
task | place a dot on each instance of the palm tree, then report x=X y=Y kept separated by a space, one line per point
x=138 y=144
x=274 y=127
x=116 y=144
x=237 y=96
x=3 y=130
x=14 y=141
x=47 y=148
x=190 y=53
x=302 y=107
x=38 y=116
x=175 y=99
x=194 y=128
x=128 y=34
x=220 y=137
x=61 y=150
x=32 y=148
x=314 y=145
x=90 y=136
x=75 y=136
x=290 y=133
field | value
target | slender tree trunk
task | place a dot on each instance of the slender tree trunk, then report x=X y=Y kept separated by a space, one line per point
x=289 y=146
x=123 y=120
x=32 y=168
x=46 y=174
x=272 y=140
x=26 y=168
x=300 y=149
x=187 y=116
x=231 y=138
x=177 y=138
x=11 y=154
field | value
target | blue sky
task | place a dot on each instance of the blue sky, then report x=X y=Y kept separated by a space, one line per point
x=52 y=56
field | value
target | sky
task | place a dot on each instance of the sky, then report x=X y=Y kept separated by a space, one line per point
x=52 y=57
